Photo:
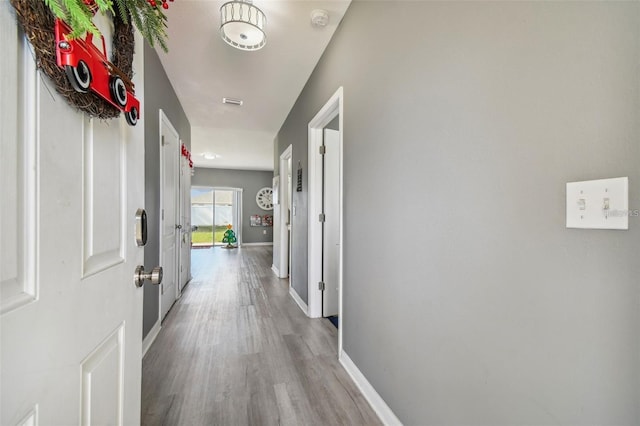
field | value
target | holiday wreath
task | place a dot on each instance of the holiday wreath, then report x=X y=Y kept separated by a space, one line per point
x=38 y=19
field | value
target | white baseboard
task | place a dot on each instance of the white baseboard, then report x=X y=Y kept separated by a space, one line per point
x=299 y=301
x=275 y=270
x=267 y=243
x=151 y=337
x=381 y=408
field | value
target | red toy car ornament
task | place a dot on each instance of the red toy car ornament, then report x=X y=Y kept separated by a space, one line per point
x=88 y=68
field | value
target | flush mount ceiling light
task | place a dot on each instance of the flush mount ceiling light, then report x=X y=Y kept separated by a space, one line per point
x=242 y=25
x=210 y=156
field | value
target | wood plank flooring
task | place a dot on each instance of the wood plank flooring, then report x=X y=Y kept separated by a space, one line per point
x=237 y=350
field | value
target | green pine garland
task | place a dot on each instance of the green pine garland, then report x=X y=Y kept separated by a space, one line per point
x=149 y=20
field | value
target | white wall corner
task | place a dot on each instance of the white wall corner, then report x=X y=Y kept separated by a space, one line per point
x=299 y=301
x=151 y=337
x=378 y=404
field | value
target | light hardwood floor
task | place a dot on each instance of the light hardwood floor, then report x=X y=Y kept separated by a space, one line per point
x=237 y=350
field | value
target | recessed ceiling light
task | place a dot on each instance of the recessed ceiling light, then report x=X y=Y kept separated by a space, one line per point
x=232 y=101
x=210 y=156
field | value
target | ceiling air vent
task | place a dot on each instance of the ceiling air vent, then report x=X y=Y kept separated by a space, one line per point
x=232 y=101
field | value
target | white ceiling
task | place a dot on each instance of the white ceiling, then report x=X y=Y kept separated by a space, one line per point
x=203 y=69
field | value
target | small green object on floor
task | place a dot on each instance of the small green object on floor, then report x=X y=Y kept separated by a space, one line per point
x=229 y=237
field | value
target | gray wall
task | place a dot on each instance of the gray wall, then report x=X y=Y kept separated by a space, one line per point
x=250 y=181
x=466 y=300
x=334 y=124
x=159 y=94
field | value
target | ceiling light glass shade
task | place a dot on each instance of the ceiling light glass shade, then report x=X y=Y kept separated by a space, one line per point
x=242 y=25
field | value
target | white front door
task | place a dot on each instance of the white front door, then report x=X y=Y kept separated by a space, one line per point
x=71 y=317
x=169 y=181
x=331 y=225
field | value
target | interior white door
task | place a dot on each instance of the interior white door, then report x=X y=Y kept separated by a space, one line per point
x=289 y=213
x=71 y=317
x=169 y=235
x=185 y=223
x=331 y=226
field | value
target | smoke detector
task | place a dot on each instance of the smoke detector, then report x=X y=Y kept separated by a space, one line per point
x=319 y=18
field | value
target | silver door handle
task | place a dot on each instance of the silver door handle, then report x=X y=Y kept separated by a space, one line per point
x=155 y=275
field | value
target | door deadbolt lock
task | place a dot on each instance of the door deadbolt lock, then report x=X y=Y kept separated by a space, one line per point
x=155 y=276
x=141 y=227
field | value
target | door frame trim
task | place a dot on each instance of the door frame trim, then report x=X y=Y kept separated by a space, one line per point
x=332 y=108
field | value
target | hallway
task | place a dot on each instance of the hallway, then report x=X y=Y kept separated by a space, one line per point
x=237 y=350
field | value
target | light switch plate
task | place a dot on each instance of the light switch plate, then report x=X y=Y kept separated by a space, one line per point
x=598 y=204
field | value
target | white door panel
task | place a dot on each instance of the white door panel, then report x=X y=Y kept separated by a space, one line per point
x=71 y=319
x=331 y=228
x=169 y=249
x=185 y=222
x=17 y=175
x=103 y=198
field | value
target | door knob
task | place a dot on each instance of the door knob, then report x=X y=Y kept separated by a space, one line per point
x=155 y=275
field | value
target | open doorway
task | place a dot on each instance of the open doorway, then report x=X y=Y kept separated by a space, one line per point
x=331 y=222
x=326 y=213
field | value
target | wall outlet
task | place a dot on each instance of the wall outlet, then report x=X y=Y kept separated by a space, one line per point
x=264 y=232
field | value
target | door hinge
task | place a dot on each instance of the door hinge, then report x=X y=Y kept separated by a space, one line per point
x=323 y=149
x=320 y=286
x=163 y=141
x=162 y=214
x=322 y=217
